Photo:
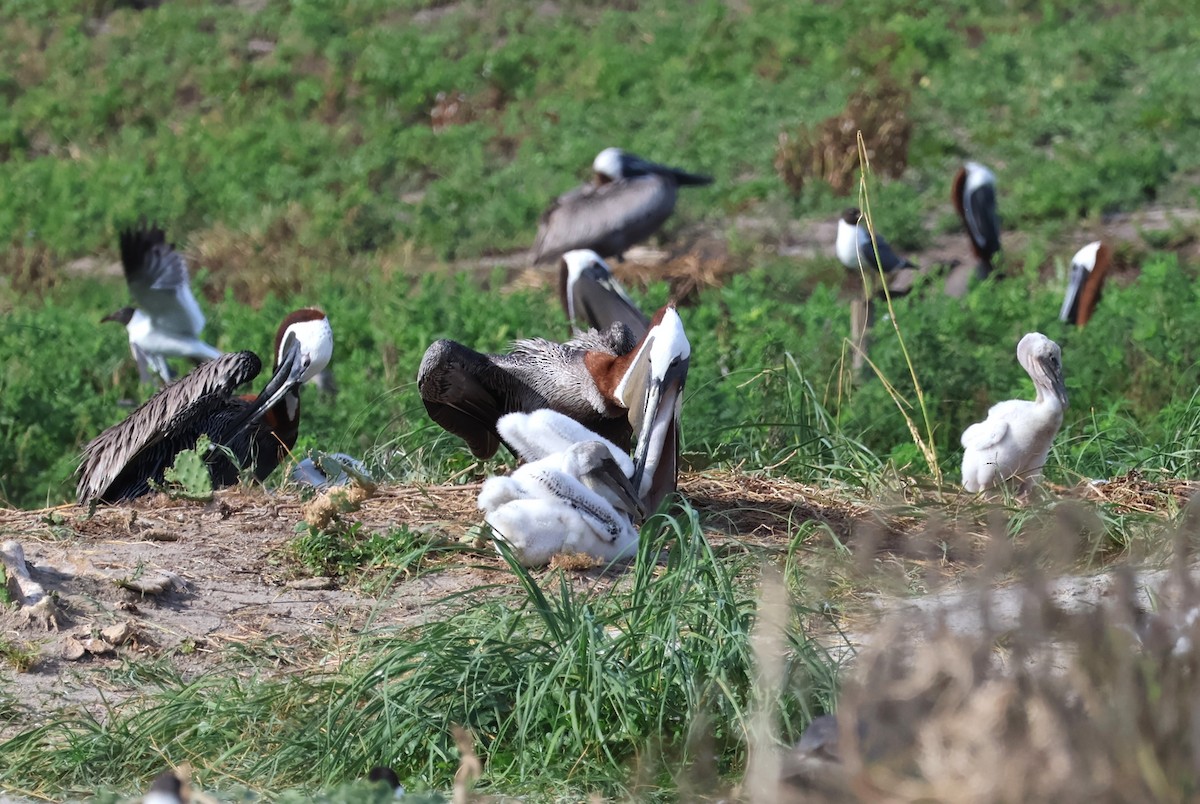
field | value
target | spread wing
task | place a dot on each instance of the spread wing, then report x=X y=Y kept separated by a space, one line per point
x=129 y=446
x=619 y=212
x=983 y=222
x=456 y=399
x=157 y=276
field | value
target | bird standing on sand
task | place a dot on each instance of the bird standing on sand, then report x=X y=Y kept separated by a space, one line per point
x=258 y=431
x=167 y=320
x=1013 y=442
x=1089 y=268
x=628 y=200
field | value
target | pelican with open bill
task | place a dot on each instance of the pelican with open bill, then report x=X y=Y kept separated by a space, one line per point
x=629 y=199
x=1089 y=269
x=593 y=298
x=603 y=380
x=167 y=321
x=257 y=430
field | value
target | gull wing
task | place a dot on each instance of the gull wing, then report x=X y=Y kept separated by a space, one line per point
x=158 y=279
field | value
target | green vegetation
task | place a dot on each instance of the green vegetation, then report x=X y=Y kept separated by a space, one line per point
x=562 y=687
x=343 y=154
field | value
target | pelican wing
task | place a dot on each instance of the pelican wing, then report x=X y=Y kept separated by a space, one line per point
x=174 y=411
x=607 y=219
x=456 y=399
x=984 y=435
x=157 y=276
x=983 y=223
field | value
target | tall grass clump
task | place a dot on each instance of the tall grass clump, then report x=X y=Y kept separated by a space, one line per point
x=573 y=688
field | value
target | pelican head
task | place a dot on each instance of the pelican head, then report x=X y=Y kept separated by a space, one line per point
x=592 y=297
x=1042 y=358
x=313 y=341
x=978 y=175
x=1089 y=267
x=303 y=347
x=651 y=389
x=609 y=165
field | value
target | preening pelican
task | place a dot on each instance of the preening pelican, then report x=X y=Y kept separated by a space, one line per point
x=1014 y=440
x=1089 y=268
x=122 y=461
x=593 y=298
x=628 y=200
x=603 y=380
x=167 y=320
x=853 y=246
x=574 y=501
x=974 y=196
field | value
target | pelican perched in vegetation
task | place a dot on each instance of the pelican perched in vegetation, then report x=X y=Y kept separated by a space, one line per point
x=258 y=431
x=974 y=196
x=167 y=320
x=575 y=500
x=1014 y=440
x=1089 y=268
x=628 y=200
x=593 y=298
x=603 y=380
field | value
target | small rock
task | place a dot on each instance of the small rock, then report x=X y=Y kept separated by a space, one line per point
x=118 y=634
x=72 y=649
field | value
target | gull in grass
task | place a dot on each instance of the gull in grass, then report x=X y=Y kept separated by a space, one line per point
x=257 y=431
x=1089 y=269
x=592 y=297
x=1012 y=444
x=628 y=200
x=166 y=321
x=574 y=495
x=612 y=385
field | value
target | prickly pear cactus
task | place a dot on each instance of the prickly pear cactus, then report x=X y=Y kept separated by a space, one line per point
x=188 y=477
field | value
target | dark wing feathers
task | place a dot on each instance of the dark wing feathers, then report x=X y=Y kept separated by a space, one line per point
x=983 y=224
x=136 y=448
x=607 y=219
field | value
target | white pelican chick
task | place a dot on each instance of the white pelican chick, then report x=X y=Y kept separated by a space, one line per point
x=574 y=501
x=1014 y=440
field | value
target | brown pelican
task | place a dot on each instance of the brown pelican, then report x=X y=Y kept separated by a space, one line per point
x=258 y=431
x=593 y=298
x=167 y=320
x=1089 y=268
x=628 y=200
x=974 y=196
x=1014 y=440
x=601 y=379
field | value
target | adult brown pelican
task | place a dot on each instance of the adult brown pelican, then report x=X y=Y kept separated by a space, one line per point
x=166 y=321
x=593 y=298
x=628 y=200
x=257 y=430
x=603 y=380
x=974 y=197
x=1089 y=268
x=1014 y=440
